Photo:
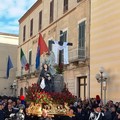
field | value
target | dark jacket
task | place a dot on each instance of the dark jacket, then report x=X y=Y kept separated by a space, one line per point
x=108 y=115
x=81 y=115
x=2 y=115
x=116 y=118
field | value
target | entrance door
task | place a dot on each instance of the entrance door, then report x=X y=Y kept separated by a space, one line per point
x=82 y=86
x=21 y=91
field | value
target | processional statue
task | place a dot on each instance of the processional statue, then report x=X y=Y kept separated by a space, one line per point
x=46 y=76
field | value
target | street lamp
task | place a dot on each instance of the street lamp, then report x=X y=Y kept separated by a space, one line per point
x=102 y=77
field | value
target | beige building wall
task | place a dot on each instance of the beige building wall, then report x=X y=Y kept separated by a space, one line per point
x=8 y=46
x=77 y=12
x=105 y=45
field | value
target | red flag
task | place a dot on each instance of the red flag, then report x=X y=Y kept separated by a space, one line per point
x=42 y=44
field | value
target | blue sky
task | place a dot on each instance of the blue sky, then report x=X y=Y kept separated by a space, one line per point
x=10 y=12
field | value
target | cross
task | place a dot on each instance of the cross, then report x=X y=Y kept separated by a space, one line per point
x=61 y=43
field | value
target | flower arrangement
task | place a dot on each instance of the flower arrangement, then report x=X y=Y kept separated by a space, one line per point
x=63 y=97
x=43 y=98
x=31 y=92
x=36 y=95
x=59 y=68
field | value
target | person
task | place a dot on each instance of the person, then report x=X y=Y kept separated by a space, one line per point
x=49 y=59
x=117 y=117
x=19 y=115
x=2 y=113
x=9 y=111
x=98 y=100
x=45 y=79
x=96 y=114
x=113 y=112
x=107 y=113
x=80 y=115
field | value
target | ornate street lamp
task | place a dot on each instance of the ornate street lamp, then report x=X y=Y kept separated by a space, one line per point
x=102 y=77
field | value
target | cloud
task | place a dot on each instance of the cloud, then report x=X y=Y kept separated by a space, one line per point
x=10 y=12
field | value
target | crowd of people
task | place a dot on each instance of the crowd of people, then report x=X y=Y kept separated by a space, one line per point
x=12 y=108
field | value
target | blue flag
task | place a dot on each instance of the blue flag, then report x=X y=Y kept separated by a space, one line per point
x=38 y=58
x=9 y=66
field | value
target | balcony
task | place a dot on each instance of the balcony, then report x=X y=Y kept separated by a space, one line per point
x=77 y=54
x=27 y=74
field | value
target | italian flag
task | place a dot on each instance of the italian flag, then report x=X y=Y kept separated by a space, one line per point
x=23 y=60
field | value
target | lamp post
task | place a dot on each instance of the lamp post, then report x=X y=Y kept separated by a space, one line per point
x=102 y=77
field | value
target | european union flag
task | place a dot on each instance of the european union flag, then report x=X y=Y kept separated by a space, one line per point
x=38 y=58
x=9 y=66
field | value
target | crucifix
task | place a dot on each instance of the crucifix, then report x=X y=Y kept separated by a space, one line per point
x=61 y=42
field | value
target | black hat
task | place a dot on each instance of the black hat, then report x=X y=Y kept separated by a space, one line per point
x=118 y=110
x=95 y=106
x=79 y=107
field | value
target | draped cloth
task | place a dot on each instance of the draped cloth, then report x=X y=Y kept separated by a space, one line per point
x=57 y=47
x=42 y=84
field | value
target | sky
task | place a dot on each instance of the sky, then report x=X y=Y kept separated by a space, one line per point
x=10 y=12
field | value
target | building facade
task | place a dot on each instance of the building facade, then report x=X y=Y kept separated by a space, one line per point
x=105 y=46
x=8 y=47
x=72 y=17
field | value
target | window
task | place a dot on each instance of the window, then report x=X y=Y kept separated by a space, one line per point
x=50 y=45
x=65 y=8
x=51 y=10
x=31 y=27
x=81 y=85
x=81 y=46
x=24 y=32
x=40 y=20
x=63 y=36
x=30 y=57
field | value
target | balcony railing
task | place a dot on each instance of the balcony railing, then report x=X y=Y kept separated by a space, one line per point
x=22 y=73
x=77 y=54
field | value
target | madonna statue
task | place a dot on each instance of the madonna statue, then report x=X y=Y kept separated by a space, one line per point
x=45 y=79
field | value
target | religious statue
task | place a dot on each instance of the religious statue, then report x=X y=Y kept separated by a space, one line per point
x=45 y=79
x=50 y=61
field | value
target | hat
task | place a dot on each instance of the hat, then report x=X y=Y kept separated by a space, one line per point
x=79 y=107
x=95 y=106
x=118 y=110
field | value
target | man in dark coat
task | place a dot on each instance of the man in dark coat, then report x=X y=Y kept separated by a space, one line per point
x=9 y=111
x=80 y=115
x=107 y=113
x=2 y=113
x=117 y=117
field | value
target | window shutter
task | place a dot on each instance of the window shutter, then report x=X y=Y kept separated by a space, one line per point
x=81 y=49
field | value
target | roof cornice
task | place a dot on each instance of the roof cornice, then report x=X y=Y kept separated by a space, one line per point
x=35 y=5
